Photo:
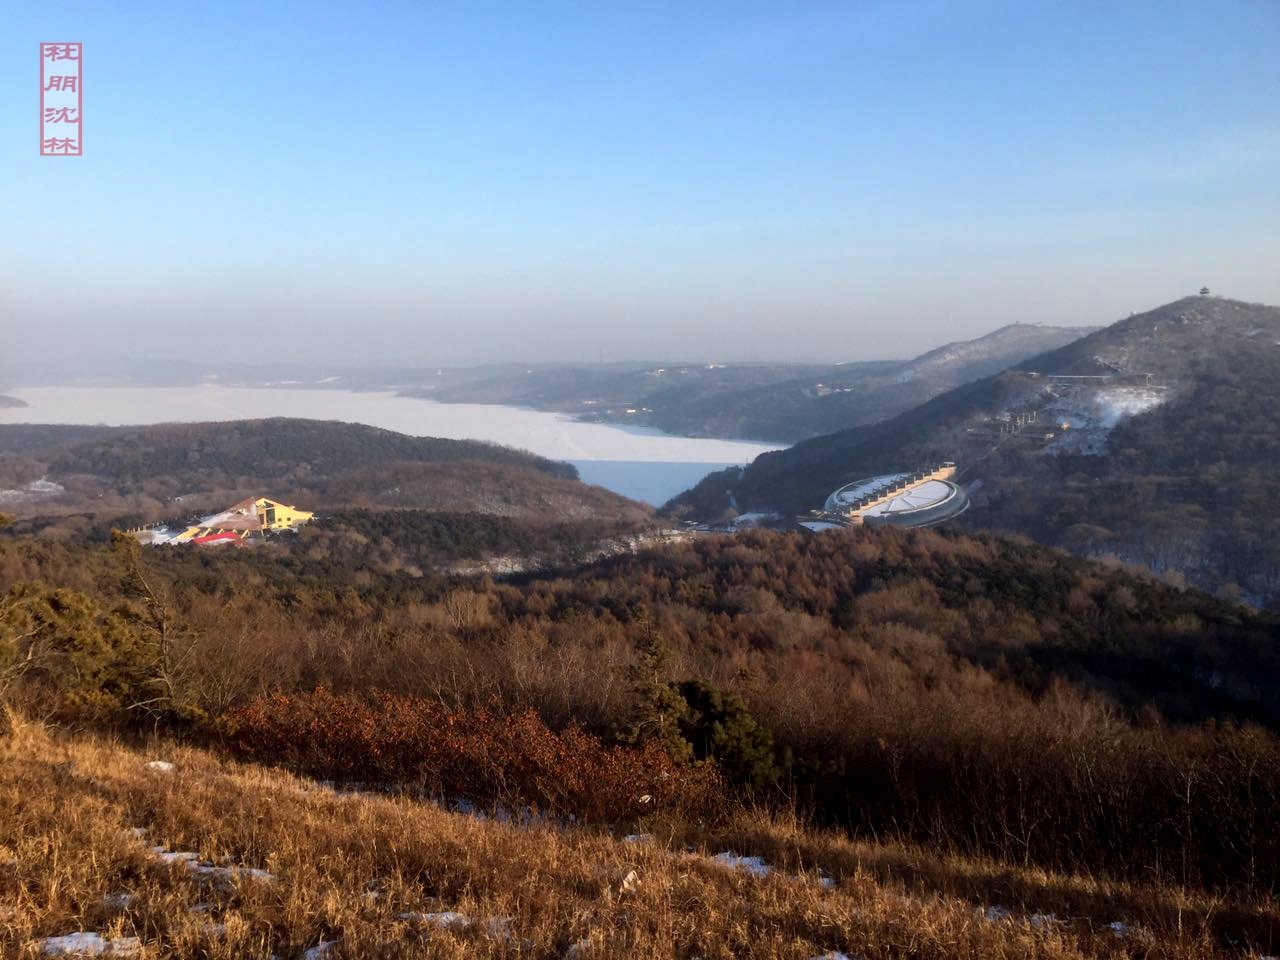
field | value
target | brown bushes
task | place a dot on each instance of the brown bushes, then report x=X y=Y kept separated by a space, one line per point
x=1065 y=783
x=983 y=696
x=360 y=869
x=482 y=755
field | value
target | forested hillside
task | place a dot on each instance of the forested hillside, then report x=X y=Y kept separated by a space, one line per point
x=167 y=472
x=986 y=696
x=1169 y=458
x=17 y=438
x=1189 y=487
x=193 y=453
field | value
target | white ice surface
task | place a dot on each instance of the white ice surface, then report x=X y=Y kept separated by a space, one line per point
x=637 y=462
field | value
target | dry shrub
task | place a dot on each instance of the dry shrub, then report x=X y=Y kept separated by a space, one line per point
x=348 y=868
x=485 y=755
x=1067 y=783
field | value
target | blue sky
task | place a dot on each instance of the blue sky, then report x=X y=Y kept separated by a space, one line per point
x=445 y=183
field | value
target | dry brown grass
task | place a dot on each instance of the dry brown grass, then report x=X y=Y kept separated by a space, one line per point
x=346 y=866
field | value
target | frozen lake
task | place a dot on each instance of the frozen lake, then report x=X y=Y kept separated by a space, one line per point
x=639 y=463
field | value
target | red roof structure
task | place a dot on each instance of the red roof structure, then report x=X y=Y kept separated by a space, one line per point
x=222 y=536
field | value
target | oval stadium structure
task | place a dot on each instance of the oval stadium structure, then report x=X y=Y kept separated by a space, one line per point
x=900 y=499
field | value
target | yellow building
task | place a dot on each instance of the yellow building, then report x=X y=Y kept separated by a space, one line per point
x=279 y=516
x=243 y=520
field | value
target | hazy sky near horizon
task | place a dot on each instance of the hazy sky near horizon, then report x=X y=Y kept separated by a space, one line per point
x=413 y=182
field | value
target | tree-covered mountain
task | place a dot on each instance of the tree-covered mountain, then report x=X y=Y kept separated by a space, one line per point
x=776 y=402
x=1156 y=440
x=276 y=447
x=170 y=470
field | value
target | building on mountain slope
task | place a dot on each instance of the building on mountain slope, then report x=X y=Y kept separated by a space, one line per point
x=248 y=518
x=917 y=499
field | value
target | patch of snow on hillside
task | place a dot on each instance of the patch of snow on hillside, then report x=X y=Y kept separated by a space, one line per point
x=818 y=526
x=220 y=874
x=496 y=927
x=45 y=488
x=444 y=918
x=1119 y=403
x=35 y=490
x=752 y=865
x=227 y=874
x=1089 y=415
x=89 y=944
x=165 y=855
x=744 y=520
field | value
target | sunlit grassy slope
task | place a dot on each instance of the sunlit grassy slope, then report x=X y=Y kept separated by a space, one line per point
x=217 y=859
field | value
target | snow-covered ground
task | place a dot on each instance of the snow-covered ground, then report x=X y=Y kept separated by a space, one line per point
x=1118 y=403
x=752 y=865
x=637 y=462
x=744 y=521
x=35 y=490
x=437 y=916
x=1091 y=415
x=89 y=944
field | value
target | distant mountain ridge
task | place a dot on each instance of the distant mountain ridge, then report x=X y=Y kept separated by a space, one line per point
x=997 y=349
x=1156 y=439
x=773 y=402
